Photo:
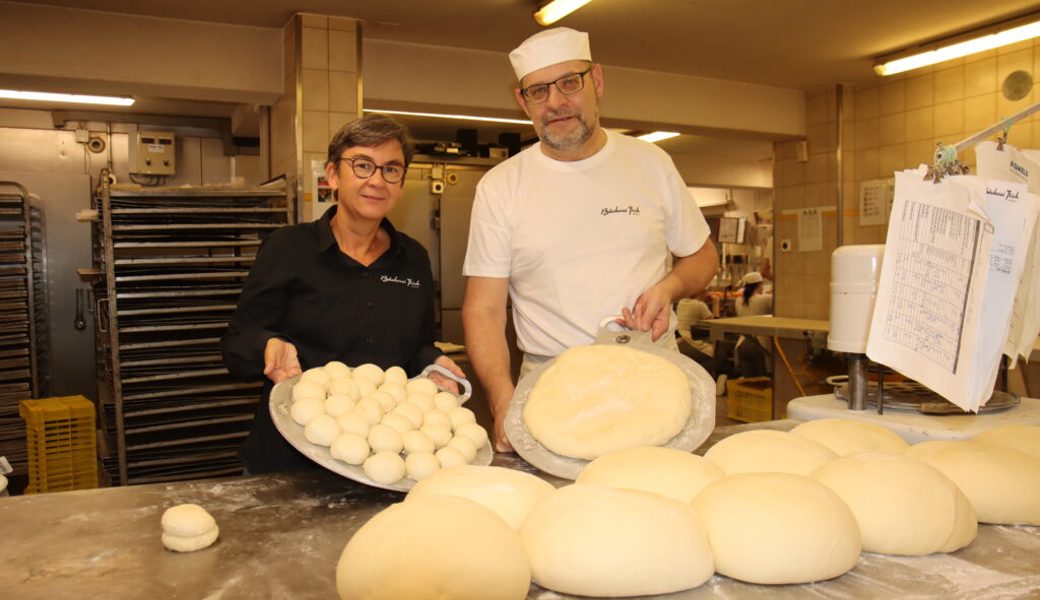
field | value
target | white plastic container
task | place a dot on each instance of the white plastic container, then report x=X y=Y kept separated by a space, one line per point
x=855 y=271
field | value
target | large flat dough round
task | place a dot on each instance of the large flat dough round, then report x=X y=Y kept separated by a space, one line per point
x=600 y=398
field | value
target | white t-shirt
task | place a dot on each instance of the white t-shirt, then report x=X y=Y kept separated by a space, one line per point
x=580 y=240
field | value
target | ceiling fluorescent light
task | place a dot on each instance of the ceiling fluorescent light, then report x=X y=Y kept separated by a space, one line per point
x=967 y=47
x=446 y=116
x=553 y=11
x=71 y=98
x=657 y=136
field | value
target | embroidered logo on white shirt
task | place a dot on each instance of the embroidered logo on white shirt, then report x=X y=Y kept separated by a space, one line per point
x=629 y=210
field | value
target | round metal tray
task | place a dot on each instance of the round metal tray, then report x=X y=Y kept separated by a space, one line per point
x=914 y=396
x=281 y=400
x=697 y=429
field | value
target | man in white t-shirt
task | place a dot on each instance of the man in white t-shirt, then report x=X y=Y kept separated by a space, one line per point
x=578 y=227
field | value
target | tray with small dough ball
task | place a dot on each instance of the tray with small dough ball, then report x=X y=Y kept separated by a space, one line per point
x=363 y=401
x=697 y=428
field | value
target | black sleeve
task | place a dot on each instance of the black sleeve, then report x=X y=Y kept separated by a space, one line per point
x=427 y=352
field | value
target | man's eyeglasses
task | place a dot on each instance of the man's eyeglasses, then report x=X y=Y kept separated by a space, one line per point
x=364 y=168
x=568 y=84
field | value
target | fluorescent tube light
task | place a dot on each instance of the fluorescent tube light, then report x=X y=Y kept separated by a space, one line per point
x=657 y=136
x=555 y=10
x=960 y=49
x=72 y=98
x=446 y=116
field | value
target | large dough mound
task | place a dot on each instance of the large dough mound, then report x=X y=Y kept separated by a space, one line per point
x=598 y=399
x=777 y=528
x=1024 y=438
x=768 y=451
x=903 y=505
x=591 y=540
x=434 y=548
x=846 y=436
x=1002 y=484
x=664 y=471
x=508 y=493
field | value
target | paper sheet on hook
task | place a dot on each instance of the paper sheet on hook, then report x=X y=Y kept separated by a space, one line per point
x=1010 y=164
x=928 y=317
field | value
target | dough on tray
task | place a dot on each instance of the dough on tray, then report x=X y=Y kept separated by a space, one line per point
x=597 y=399
x=187 y=528
x=434 y=547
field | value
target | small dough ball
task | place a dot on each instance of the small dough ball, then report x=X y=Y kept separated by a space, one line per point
x=321 y=430
x=846 y=436
x=304 y=410
x=412 y=412
x=395 y=390
x=445 y=401
x=351 y=448
x=337 y=370
x=187 y=528
x=450 y=457
x=508 y=493
x=395 y=375
x=476 y=434
x=421 y=465
x=398 y=422
x=355 y=423
x=370 y=408
x=440 y=435
x=902 y=505
x=308 y=389
x=1002 y=484
x=422 y=385
x=436 y=417
x=336 y=405
x=434 y=547
x=370 y=372
x=423 y=401
x=384 y=467
x=767 y=451
x=345 y=387
x=417 y=441
x=318 y=375
x=461 y=415
x=383 y=438
x=1024 y=438
x=465 y=447
x=590 y=540
x=386 y=401
x=365 y=387
x=778 y=528
x=664 y=471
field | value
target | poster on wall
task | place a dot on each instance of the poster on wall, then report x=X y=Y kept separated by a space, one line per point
x=875 y=201
x=810 y=229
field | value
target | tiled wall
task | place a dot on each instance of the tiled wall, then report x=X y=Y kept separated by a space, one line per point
x=887 y=125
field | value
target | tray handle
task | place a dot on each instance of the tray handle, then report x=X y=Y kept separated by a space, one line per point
x=467 y=387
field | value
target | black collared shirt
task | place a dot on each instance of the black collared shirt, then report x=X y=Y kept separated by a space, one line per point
x=303 y=289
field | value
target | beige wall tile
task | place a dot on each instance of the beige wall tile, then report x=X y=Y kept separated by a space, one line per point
x=949 y=119
x=792 y=172
x=848 y=167
x=343 y=92
x=868 y=164
x=821 y=194
x=893 y=129
x=919 y=124
x=816 y=169
x=314 y=51
x=289 y=48
x=892 y=159
x=868 y=103
x=822 y=137
x=315 y=130
x=893 y=97
x=343 y=51
x=949 y=84
x=1014 y=48
x=342 y=24
x=1021 y=134
x=920 y=91
x=816 y=109
x=922 y=151
x=337 y=120
x=1006 y=108
x=980 y=112
x=319 y=21
x=868 y=133
x=788 y=197
x=315 y=85
x=980 y=77
x=783 y=150
x=1020 y=60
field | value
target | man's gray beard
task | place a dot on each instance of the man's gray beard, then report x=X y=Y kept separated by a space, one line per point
x=574 y=139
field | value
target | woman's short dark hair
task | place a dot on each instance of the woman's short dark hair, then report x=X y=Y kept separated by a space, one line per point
x=749 y=291
x=369 y=131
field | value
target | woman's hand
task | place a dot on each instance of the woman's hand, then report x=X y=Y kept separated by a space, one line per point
x=280 y=360
x=445 y=382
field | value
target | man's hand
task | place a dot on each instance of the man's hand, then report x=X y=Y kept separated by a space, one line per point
x=445 y=382
x=280 y=360
x=651 y=312
x=499 y=407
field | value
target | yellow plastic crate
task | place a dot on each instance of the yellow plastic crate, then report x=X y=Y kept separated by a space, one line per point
x=750 y=399
x=60 y=443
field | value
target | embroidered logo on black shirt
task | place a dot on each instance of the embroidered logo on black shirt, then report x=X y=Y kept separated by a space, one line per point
x=629 y=210
x=408 y=281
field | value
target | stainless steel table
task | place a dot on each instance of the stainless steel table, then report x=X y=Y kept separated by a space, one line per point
x=281 y=537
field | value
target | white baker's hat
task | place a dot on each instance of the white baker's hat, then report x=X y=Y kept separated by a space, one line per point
x=549 y=47
x=752 y=277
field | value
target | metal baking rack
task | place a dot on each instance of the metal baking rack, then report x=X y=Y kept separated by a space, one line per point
x=172 y=263
x=24 y=342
